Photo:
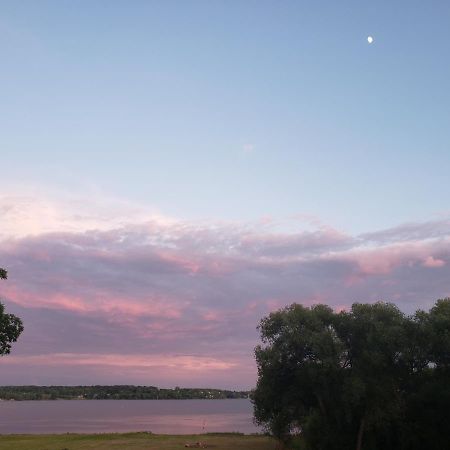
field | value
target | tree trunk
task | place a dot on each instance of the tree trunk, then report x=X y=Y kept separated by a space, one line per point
x=360 y=435
x=321 y=405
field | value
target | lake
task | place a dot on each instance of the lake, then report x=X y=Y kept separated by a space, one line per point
x=105 y=416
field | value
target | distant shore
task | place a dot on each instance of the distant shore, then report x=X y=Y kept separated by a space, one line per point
x=116 y=392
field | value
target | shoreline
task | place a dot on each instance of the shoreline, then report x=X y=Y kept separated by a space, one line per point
x=115 y=399
x=136 y=441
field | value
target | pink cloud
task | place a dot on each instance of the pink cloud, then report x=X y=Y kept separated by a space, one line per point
x=433 y=262
x=102 y=303
x=180 y=261
x=170 y=362
x=384 y=260
x=381 y=261
x=274 y=304
x=142 y=297
x=212 y=316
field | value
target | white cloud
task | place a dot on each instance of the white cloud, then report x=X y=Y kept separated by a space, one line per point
x=26 y=212
x=248 y=148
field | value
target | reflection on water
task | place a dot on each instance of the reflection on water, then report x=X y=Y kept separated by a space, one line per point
x=101 y=416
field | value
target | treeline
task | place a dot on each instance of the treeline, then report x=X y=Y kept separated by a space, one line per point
x=120 y=392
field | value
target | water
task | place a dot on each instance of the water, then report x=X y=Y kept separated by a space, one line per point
x=106 y=416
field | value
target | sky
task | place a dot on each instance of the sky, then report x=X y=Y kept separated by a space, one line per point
x=172 y=172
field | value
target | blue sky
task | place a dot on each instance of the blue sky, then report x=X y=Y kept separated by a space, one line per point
x=232 y=110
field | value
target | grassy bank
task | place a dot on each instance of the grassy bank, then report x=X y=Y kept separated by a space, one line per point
x=134 y=441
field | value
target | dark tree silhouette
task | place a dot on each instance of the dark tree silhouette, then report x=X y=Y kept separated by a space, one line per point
x=10 y=325
x=368 y=378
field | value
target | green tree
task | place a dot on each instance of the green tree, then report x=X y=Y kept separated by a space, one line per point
x=367 y=378
x=428 y=385
x=10 y=325
x=298 y=370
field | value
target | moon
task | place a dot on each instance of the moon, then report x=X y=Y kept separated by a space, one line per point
x=369 y=39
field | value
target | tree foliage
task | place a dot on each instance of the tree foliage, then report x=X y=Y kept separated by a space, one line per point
x=368 y=378
x=10 y=325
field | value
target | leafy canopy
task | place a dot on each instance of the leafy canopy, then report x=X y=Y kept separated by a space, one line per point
x=10 y=325
x=366 y=378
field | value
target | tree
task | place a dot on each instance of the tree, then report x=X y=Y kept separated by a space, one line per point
x=368 y=378
x=298 y=369
x=428 y=387
x=10 y=325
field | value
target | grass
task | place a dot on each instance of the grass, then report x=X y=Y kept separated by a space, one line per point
x=134 y=441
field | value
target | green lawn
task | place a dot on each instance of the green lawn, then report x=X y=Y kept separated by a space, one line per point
x=134 y=441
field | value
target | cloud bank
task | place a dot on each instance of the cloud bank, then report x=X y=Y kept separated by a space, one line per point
x=117 y=295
